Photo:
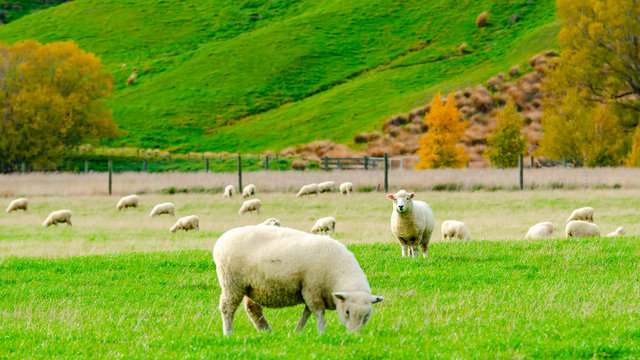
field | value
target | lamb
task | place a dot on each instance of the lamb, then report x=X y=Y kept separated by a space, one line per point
x=346 y=188
x=128 y=201
x=580 y=228
x=191 y=222
x=412 y=223
x=248 y=191
x=272 y=222
x=270 y=266
x=540 y=231
x=454 y=229
x=327 y=186
x=308 y=190
x=324 y=226
x=585 y=213
x=250 y=206
x=229 y=191
x=619 y=232
x=18 y=204
x=164 y=208
x=57 y=217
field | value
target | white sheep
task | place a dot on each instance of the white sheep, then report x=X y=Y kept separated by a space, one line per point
x=453 y=229
x=191 y=222
x=250 y=206
x=128 y=201
x=346 y=188
x=18 y=204
x=164 y=208
x=325 y=225
x=327 y=186
x=270 y=266
x=619 y=232
x=412 y=223
x=57 y=217
x=229 y=191
x=272 y=222
x=308 y=190
x=580 y=228
x=540 y=231
x=248 y=191
x=585 y=213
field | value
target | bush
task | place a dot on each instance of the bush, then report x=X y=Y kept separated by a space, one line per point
x=481 y=21
x=298 y=164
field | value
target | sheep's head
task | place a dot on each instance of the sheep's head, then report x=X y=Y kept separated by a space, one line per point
x=354 y=308
x=402 y=201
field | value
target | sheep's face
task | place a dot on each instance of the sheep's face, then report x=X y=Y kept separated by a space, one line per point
x=354 y=308
x=402 y=201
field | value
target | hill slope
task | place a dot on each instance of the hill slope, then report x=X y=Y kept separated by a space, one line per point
x=254 y=75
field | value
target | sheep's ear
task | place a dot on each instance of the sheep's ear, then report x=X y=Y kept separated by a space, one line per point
x=376 y=299
x=412 y=195
x=391 y=197
x=339 y=296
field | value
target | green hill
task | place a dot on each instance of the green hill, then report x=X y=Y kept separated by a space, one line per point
x=254 y=75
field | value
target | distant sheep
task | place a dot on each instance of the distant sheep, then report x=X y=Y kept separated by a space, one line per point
x=580 y=228
x=128 y=201
x=18 y=204
x=412 y=223
x=585 y=213
x=481 y=20
x=324 y=226
x=619 y=232
x=164 y=208
x=248 y=191
x=346 y=188
x=272 y=222
x=540 y=231
x=229 y=191
x=327 y=186
x=453 y=229
x=250 y=206
x=58 y=217
x=308 y=190
x=191 y=222
x=131 y=79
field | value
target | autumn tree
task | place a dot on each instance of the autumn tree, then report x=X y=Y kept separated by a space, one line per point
x=53 y=97
x=439 y=146
x=506 y=143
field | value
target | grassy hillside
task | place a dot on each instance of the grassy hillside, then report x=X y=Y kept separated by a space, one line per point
x=255 y=75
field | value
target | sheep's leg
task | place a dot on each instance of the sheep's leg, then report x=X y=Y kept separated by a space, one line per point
x=320 y=319
x=414 y=250
x=228 y=305
x=405 y=250
x=68 y=222
x=425 y=249
x=303 y=319
x=256 y=315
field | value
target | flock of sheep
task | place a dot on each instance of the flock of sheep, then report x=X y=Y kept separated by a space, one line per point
x=267 y=265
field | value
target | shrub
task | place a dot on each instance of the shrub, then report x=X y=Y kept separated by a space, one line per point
x=463 y=48
x=506 y=143
x=298 y=164
x=481 y=20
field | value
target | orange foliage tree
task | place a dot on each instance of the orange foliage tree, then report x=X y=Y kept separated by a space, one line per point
x=439 y=146
x=53 y=98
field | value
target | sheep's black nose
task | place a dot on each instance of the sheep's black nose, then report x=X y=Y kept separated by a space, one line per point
x=401 y=207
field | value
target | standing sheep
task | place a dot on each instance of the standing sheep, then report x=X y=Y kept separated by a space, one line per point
x=128 y=201
x=271 y=222
x=250 y=206
x=454 y=229
x=308 y=190
x=412 y=223
x=248 y=191
x=327 y=186
x=585 y=213
x=580 y=228
x=619 y=232
x=58 y=217
x=191 y=222
x=346 y=188
x=164 y=208
x=540 y=231
x=229 y=191
x=18 y=204
x=325 y=225
x=270 y=266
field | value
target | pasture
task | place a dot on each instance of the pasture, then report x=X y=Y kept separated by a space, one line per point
x=118 y=284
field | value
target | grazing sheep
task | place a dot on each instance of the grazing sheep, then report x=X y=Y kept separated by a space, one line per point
x=580 y=228
x=327 y=186
x=18 y=204
x=412 y=223
x=619 y=232
x=250 y=206
x=272 y=222
x=454 y=229
x=229 y=191
x=191 y=222
x=540 y=231
x=270 y=266
x=164 y=208
x=346 y=188
x=128 y=201
x=308 y=190
x=57 y=217
x=585 y=213
x=325 y=225
x=248 y=191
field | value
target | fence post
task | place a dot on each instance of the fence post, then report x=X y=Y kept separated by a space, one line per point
x=144 y=165
x=366 y=162
x=564 y=161
x=338 y=165
x=206 y=164
x=110 y=170
x=326 y=163
x=22 y=167
x=266 y=163
x=239 y=173
x=386 y=172
x=86 y=166
x=521 y=173
x=586 y=175
x=532 y=162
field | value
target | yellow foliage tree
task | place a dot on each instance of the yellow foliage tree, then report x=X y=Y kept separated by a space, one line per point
x=53 y=98
x=633 y=159
x=506 y=144
x=439 y=146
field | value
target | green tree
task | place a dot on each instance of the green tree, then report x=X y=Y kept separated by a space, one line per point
x=53 y=98
x=506 y=143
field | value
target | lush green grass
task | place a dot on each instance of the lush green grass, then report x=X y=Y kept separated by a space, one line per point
x=510 y=299
x=248 y=76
